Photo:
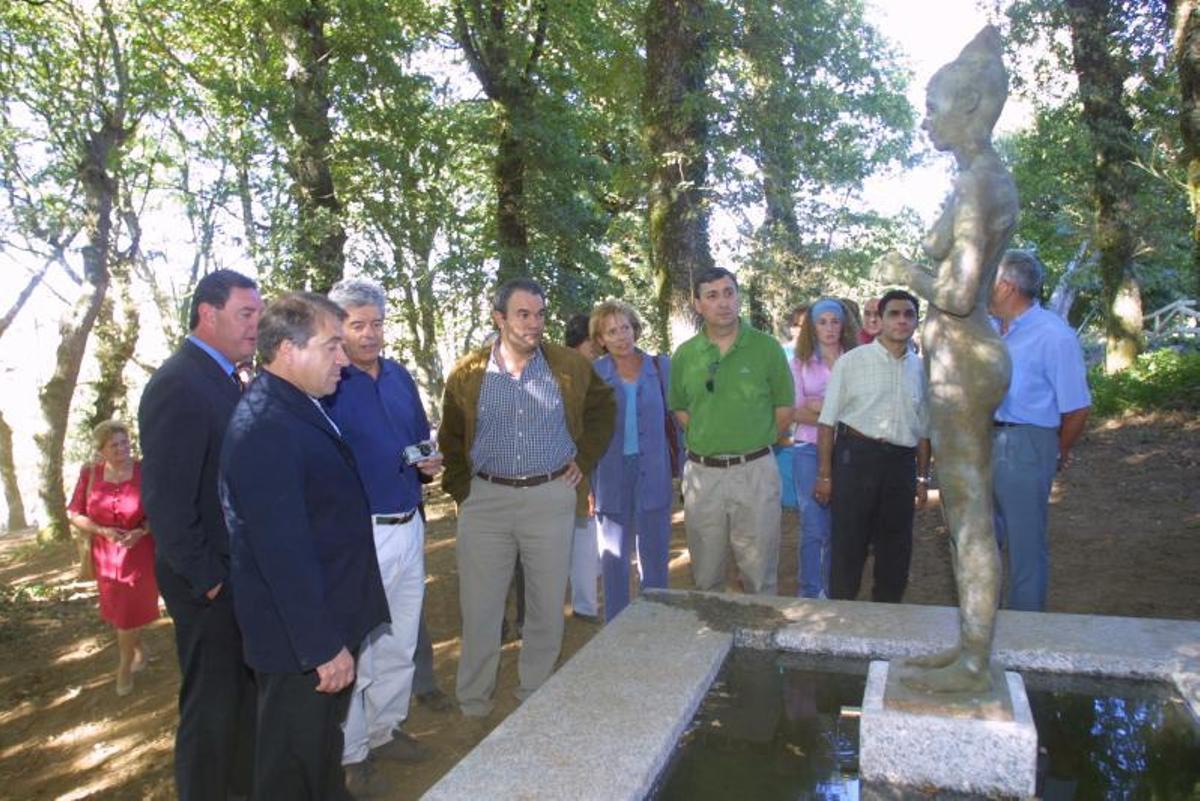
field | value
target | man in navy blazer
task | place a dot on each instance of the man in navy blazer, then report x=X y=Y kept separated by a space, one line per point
x=303 y=553
x=182 y=419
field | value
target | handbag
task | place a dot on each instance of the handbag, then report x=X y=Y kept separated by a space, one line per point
x=669 y=424
x=83 y=540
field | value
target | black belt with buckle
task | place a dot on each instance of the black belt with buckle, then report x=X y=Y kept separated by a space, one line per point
x=522 y=482
x=728 y=461
x=854 y=433
x=393 y=520
x=1005 y=424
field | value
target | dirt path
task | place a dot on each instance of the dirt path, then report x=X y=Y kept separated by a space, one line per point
x=1125 y=541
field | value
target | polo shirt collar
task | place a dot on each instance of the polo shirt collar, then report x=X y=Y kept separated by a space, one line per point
x=743 y=326
x=354 y=371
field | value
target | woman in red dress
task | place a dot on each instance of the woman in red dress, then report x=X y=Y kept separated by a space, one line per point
x=107 y=504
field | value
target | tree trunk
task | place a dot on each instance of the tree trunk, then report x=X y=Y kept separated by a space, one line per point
x=512 y=231
x=1101 y=80
x=505 y=58
x=116 y=341
x=101 y=151
x=321 y=238
x=1187 y=58
x=55 y=396
x=674 y=108
x=8 y=474
x=419 y=312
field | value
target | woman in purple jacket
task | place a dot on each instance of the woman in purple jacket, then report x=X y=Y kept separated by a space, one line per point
x=632 y=483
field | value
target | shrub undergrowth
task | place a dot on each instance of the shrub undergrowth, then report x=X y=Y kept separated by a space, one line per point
x=1162 y=380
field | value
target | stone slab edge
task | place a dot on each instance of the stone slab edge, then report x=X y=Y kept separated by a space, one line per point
x=541 y=750
x=604 y=726
x=950 y=753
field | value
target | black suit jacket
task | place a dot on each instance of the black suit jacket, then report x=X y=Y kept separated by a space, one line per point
x=304 y=570
x=182 y=418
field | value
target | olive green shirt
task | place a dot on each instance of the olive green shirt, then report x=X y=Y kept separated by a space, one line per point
x=747 y=384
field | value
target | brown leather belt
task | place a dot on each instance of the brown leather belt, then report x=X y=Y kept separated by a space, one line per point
x=524 y=481
x=728 y=461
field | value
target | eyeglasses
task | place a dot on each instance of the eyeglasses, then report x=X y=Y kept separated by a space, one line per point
x=712 y=373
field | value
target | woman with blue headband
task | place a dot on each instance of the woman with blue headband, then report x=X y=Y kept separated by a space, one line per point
x=826 y=333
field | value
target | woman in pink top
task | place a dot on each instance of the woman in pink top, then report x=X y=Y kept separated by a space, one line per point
x=827 y=333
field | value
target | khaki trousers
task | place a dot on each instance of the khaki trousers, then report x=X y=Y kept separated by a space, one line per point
x=734 y=506
x=495 y=523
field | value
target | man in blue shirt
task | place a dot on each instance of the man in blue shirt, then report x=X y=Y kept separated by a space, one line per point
x=378 y=409
x=1036 y=425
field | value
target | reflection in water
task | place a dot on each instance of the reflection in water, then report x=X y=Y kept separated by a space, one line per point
x=785 y=728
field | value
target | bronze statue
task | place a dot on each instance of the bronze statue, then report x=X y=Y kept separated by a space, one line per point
x=967 y=364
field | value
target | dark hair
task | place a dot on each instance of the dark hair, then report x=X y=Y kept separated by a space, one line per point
x=577 y=330
x=796 y=315
x=505 y=291
x=899 y=294
x=708 y=275
x=214 y=290
x=293 y=317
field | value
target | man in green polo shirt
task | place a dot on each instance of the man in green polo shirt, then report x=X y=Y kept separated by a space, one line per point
x=732 y=392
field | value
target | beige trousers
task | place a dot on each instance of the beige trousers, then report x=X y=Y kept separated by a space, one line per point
x=495 y=523
x=734 y=507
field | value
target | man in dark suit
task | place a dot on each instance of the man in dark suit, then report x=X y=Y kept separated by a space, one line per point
x=182 y=418
x=304 y=565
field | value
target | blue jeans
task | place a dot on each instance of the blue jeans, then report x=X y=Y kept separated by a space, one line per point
x=815 y=525
x=620 y=533
x=1024 y=461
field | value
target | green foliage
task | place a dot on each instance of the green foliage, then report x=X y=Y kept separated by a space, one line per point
x=1160 y=380
x=1053 y=160
x=811 y=102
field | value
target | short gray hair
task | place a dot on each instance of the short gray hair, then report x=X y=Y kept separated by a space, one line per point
x=1024 y=270
x=350 y=293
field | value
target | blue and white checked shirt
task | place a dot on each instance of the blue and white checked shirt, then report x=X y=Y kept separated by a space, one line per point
x=521 y=424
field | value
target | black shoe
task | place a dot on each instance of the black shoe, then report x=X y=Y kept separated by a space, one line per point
x=364 y=782
x=585 y=618
x=436 y=700
x=401 y=748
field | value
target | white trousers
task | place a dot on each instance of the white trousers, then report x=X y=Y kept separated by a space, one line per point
x=383 y=684
x=585 y=567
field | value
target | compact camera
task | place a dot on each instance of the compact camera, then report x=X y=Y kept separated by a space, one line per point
x=419 y=452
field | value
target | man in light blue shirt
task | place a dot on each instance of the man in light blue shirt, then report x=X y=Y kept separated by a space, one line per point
x=1036 y=425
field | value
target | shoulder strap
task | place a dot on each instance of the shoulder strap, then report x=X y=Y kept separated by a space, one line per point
x=662 y=385
x=87 y=493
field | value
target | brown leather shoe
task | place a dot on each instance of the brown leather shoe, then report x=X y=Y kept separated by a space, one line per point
x=402 y=748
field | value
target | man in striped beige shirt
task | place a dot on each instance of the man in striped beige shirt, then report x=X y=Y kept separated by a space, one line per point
x=873 y=454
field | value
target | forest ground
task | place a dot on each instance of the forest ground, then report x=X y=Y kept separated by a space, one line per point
x=1125 y=526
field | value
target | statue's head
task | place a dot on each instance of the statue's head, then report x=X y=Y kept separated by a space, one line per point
x=964 y=98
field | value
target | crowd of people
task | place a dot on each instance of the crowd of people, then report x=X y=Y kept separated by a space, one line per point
x=288 y=523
